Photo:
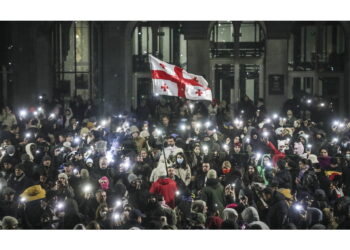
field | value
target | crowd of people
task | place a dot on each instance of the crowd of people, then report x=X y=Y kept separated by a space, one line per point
x=175 y=164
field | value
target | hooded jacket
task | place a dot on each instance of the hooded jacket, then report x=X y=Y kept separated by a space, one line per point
x=250 y=214
x=167 y=188
x=278 y=210
x=214 y=196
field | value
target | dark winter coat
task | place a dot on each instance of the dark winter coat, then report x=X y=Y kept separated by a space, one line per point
x=213 y=194
x=167 y=188
x=278 y=210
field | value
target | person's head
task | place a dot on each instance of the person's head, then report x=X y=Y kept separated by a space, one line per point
x=289 y=113
x=47 y=161
x=304 y=164
x=266 y=160
x=171 y=172
x=9 y=222
x=134 y=131
x=197 y=150
x=281 y=164
x=180 y=159
x=226 y=167
x=67 y=112
x=205 y=167
x=19 y=170
x=101 y=196
x=89 y=162
x=102 y=212
x=63 y=178
x=144 y=153
x=323 y=152
x=347 y=154
x=61 y=138
x=9 y=194
x=104 y=183
x=68 y=168
x=43 y=178
x=267 y=194
x=103 y=163
x=237 y=148
x=251 y=169
x=171 y=141
x=136 y=215
x=165 y=121
x=334 y=162
x=7 y=165
x=236 y=139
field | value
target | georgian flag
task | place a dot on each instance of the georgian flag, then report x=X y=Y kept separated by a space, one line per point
x=171 y=80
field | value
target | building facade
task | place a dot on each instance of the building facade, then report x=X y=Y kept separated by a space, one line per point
x=107 y=62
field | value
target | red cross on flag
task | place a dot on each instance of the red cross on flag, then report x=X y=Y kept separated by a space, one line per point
x=171 y=80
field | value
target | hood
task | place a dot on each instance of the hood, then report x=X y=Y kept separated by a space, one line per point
x=277 y=197
x=250 y=214
x=212 y=182
x=230 y=214
x=163 y=181
x=260 y=224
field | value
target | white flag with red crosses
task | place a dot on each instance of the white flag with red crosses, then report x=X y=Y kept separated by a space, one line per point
x=171 y=80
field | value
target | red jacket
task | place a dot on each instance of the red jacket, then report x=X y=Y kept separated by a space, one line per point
x=277 y=155
x=166 y=187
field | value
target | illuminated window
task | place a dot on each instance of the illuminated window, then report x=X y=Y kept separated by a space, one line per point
x=72 y=58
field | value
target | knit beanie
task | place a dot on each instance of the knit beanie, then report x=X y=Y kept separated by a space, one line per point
x=211 y=174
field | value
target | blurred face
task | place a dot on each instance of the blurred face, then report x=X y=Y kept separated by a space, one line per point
x=103 y=163
x=289 y=113
x=302 y=166
x=47 y=163
x=237 y=149
x=323 y=153
x=43 y=179
x=251 y=170
x=165 y=121
x=236 y=139
x=18 y=172
x=143 y=154
x=101 y=197
x=197 y=150
x=205 y=167
x=61 y=138
x=171 y=172
x=68 y=169
x=171 y=142
x=7 y=166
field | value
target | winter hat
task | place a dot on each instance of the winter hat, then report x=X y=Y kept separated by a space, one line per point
x=230 y=214
x=63 y=175
x=144 y=134
x=250 y=214
x=84 y=173
x=211 y=174
x=132 y=177
x=313 y=159
x=47 y=158
x=89 y=160
x=134 y=129
x=10 y=150
x=34 y=193
x=67 y=144
x=104 y=182
x=19 y=166
x=9 y=222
